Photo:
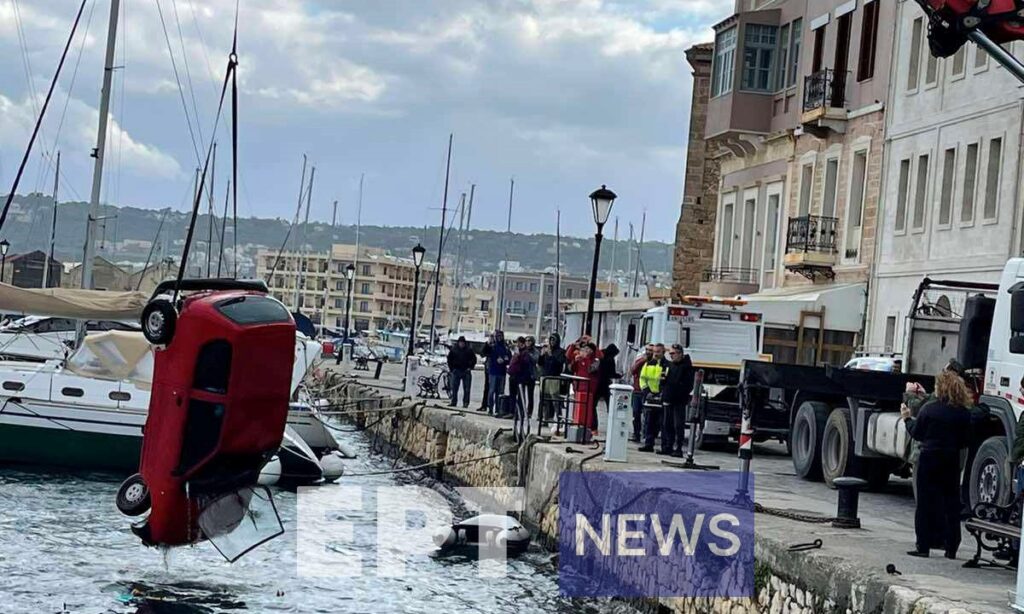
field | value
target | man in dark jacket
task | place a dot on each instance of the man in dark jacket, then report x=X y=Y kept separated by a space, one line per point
x=461 y=360
x=676 y=388
x=552 y=363
x=497 y=367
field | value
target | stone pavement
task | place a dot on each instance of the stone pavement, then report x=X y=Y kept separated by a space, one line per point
x=931 y=585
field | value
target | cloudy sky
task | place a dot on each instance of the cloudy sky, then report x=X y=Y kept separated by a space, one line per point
x=561 y=94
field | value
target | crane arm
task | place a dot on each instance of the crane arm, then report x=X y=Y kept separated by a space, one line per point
x=987 y=23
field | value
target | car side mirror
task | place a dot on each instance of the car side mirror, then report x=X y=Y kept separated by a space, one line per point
x=631 y=333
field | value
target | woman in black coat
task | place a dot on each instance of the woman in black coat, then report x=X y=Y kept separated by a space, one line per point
x=943 y=428
x=606 y=375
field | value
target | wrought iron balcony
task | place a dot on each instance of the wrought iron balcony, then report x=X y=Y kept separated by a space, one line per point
x=812 y=233
x=730 y=275
x=825 y=89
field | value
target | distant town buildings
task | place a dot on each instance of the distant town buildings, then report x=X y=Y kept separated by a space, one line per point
x=26 y=270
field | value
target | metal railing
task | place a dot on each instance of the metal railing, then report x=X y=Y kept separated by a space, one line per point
x=812 y=233
x=730 y=275
x=825 y=89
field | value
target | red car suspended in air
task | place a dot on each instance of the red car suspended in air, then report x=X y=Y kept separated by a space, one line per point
x=217 y=414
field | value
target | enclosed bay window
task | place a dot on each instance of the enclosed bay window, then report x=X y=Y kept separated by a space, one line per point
x=759 y=42
x=725 y=62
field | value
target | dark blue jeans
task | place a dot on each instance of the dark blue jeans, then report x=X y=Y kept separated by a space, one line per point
x=465 y=378
x=496 y=388
x=638 y=413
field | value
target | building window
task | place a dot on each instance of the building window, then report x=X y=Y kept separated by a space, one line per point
x=819 y=49
x=726 y=260
x=970 y=183
x=995 y=160
x=931 y=68
x=960 y=62
x=913 y=72
x=890 y=333
x=920 y=191
x=794 y=52
x=725 y=62
x=806 y=179
x=868 y=41
x=364 y=288
x=337 y=303
x=364 y=306
x=534 y=286
x=841 y=61
x=771 y=232
x=783 y=60
x=758 y=56
x=520 y=286
x=531 y=307
x=828 y=199
x=901 y=196
x=366 y=269
x=946 y=196
x=980 y=57
x=855 y=204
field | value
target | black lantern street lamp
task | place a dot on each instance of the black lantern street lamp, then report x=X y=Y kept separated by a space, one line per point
x=350 y=273
x=601 y=202
x=417 y=259
x=4 y=246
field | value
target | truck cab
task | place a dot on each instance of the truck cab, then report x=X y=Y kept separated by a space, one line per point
x=718 y=335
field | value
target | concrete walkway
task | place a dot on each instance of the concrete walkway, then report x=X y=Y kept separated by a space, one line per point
x=887 y=518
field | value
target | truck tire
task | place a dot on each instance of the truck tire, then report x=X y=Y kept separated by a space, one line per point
x=837 y=458
x=805 y=434
x=990 y=481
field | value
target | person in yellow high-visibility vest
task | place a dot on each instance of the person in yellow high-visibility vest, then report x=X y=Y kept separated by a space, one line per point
x=650 y=383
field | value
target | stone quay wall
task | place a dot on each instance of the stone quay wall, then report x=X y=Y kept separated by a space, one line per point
x=468 y=450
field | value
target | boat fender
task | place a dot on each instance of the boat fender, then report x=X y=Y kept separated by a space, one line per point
x=332 y=465
x=445 y=537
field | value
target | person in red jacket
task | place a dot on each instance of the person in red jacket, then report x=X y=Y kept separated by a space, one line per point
x=584 y=359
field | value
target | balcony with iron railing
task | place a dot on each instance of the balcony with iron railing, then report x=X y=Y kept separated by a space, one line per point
x=811 y=245
x=825 y=102
x=729 y=281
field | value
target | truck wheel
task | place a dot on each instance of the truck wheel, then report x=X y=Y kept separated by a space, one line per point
x=990 y=482
x=837 y=446
x=805 y=435
x=133 y=497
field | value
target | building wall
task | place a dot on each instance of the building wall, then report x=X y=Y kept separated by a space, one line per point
x=930 y=117
x=695 y=241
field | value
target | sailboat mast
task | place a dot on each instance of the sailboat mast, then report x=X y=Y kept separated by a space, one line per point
x=440 y=244
x=457 y=311
x=639 y=254
x=53 y=227
x=558 y=271
x=299 y=294
x=209 y=226
x=223 y=226
x=615 y=243
x=504 y=263
x=100 y=151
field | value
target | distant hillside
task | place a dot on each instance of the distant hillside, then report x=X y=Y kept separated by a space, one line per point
x=28 y=227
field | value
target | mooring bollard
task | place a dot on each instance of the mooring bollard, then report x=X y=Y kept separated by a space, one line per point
x=848 y=501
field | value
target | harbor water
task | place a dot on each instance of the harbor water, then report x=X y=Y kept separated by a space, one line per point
x=65 y=548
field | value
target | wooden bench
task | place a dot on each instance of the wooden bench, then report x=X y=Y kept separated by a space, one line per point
x=994 y=531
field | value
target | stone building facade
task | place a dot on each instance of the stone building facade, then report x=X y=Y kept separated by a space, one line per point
x=695 y=239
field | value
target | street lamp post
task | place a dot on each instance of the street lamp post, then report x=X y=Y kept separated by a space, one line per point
x=601 y=202
x=417 y=260
x=350 y=273
x=4 y=246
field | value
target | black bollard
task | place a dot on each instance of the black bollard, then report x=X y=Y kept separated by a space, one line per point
x=848 y=499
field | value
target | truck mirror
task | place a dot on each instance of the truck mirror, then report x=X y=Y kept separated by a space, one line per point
x=1017 y=310
x=631 y=333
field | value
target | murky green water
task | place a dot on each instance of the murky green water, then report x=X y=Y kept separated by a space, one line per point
x=65 y=548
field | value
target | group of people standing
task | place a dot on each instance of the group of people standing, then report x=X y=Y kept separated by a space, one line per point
x=523 y=364
x=662 y=387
